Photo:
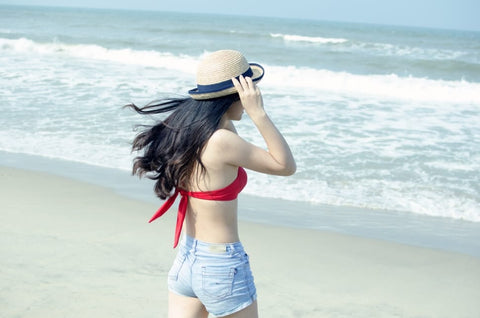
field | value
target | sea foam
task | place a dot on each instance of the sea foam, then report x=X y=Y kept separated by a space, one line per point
x=390 y=86
x=96 y=52
x=308 y=39
x=362 y=140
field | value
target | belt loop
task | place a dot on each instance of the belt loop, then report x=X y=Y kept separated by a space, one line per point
x=192 y=244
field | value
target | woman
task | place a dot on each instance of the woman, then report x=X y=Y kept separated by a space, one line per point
x=196 y=152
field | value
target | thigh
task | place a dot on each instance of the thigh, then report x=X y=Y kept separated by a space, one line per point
x=185 y=307
x=249 y=312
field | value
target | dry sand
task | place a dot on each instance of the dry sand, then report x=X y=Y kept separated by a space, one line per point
x=72 y=249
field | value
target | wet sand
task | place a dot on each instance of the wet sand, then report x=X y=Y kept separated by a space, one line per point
x=73 y=249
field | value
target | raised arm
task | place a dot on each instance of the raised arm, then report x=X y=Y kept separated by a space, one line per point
x=278 y=160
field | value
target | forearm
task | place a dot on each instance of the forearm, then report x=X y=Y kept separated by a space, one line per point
x=277 y=145
x=279 y=157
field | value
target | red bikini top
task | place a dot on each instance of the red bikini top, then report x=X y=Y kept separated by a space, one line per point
x=228 y=193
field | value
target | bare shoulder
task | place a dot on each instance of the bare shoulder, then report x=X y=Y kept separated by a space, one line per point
x=217 y=146
x=222 y=138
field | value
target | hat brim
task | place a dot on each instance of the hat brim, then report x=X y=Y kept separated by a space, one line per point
x=257 y=75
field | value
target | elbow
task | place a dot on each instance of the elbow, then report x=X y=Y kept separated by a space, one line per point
x=289 y=169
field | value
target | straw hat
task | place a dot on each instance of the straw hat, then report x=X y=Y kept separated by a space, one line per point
x=216 y=70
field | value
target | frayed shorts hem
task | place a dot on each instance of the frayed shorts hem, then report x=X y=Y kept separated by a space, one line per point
x=237 y=309
x=219 y=315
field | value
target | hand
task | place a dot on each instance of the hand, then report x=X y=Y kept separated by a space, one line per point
x=250 y=95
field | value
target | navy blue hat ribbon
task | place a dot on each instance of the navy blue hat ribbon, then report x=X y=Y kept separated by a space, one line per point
x=202 y=89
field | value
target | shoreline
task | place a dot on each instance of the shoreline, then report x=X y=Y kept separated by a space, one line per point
x=401 y=227
x=71 y=248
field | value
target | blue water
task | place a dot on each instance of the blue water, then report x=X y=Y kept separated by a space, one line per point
x=379 y=118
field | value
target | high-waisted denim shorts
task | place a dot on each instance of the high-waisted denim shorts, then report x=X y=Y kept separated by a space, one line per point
x=218 y=275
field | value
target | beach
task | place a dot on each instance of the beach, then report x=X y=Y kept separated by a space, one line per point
x=381 y=219
x=74 y=249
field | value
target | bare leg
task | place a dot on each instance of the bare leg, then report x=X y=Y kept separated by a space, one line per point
x=249 y=312
x=185 y=307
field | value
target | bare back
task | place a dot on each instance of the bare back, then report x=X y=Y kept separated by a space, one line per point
x=207 y=220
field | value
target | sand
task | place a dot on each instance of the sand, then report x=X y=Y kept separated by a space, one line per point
x=73 y=249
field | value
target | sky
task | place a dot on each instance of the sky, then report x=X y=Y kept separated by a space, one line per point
x=444 y=14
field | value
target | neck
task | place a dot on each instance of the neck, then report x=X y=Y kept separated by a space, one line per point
x=227 y=124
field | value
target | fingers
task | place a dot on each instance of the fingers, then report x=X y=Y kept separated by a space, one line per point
x=246 y=82
x=250 y=95
x=249 y=82
x=243 y=84
x=237 y=85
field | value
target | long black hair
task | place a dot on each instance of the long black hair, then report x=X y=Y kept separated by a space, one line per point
x=172 y=146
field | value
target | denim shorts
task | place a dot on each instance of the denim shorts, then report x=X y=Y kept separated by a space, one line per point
x=218 y=275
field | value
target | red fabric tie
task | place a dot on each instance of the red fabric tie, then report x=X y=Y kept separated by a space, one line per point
x=182 y=211
x=228 y=193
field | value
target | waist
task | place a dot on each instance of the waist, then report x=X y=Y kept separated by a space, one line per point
x=210 y=221
x=197 y=246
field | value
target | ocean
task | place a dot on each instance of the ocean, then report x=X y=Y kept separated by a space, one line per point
x=380 y=118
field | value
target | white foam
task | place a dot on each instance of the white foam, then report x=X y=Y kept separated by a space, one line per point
x=299 y=80
x=391 y=87
x=452 y=166
x=388 y=49
x=380 y=194
x=309 y=39
x=346 y=120
x=183 y=63
x=380 y=49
